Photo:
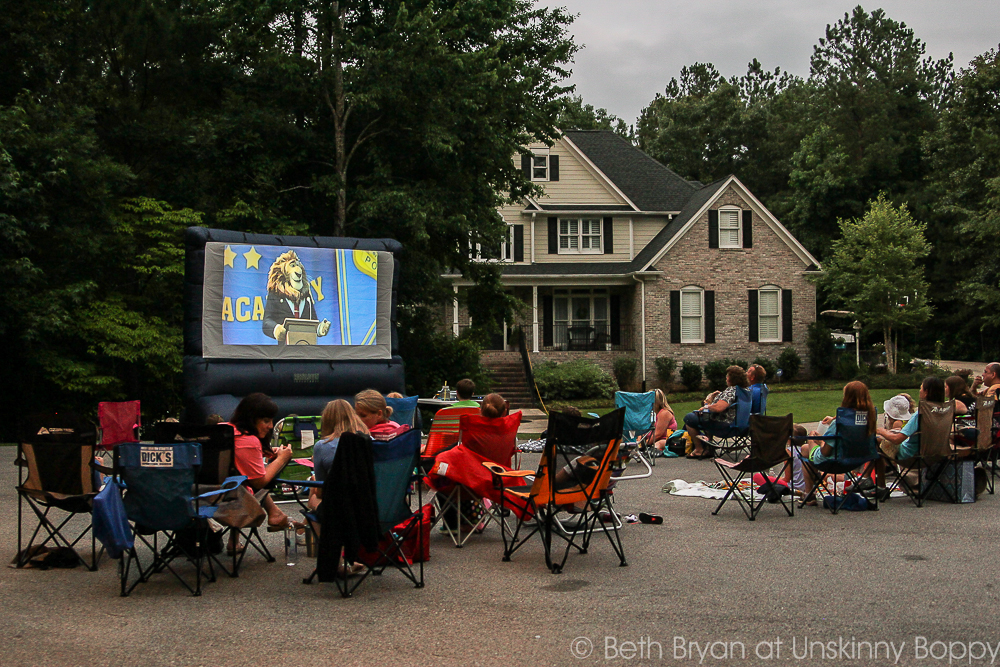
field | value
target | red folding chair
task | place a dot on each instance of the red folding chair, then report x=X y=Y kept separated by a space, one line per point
x=444 y=432
x=463 y=482
x=120 y=422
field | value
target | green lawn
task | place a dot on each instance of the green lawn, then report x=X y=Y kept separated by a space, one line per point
x=806 y=406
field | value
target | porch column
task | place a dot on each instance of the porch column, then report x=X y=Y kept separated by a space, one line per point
x=642 y=297
x=454 y=324
x=534 y=318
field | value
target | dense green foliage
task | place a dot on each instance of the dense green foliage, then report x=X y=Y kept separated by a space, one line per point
x=625 y=370
x=790 y=363
x=123 y=122
x=665 y=367
x=875 y=115
x=691 y=376
x=822 y=355
x=573 y=380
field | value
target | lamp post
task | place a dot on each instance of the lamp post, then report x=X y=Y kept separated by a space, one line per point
x=857 y=343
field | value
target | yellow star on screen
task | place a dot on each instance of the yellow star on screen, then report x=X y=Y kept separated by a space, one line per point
x=229 y=257
x=252 y=257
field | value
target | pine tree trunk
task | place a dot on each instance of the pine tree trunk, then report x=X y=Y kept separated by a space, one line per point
x=890 y=349
x=339 y=123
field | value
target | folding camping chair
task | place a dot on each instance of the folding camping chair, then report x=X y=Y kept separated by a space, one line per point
x=458 y=476
x=768 y=440
x=57 y=453
x=404 y=410
x=120 y=422
x=393 y=464
x=731 y=440
x=218 y=470
x=934 y=436
x=639 y=421
x=853 y=448
x=567 y=480
x=444 y=432
x=994 y=431
x=158 y=481
x=758 y=399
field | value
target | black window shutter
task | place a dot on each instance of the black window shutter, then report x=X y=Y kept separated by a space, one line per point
x=526 y=166
x=709 y=316
x=713 y=229
x=786 y=315
x=616 y=319
x=553 y=167
x=518 y=243
x=547 y=321
x=675 y=316
x=754 y=329
x=553 y=236
x=609 y=235
x=747 y=229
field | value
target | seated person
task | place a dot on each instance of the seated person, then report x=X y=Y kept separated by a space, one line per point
x=371 y=408
x=896 y=412
x=253 y=422
x=955 y=389
x=666 y=422
x=494 y=406
x=988 y=384
x=856 y=397
x=794 y=478
x=717 y=417
x=465 y=389
x=899 y=445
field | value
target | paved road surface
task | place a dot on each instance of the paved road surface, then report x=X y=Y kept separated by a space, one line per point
x=891 y=576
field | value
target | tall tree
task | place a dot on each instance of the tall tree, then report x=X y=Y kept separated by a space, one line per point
x=964 y=158
x=577 y=115
x=876 y=270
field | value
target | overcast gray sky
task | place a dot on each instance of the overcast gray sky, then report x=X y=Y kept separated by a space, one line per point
x=632 y=48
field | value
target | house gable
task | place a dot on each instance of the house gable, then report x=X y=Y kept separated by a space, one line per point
x=580 y=186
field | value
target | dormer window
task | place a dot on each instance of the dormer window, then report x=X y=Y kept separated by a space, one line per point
x=730 y=228
x=540 y=165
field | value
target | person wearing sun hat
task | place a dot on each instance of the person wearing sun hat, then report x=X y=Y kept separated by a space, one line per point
x=897 y=412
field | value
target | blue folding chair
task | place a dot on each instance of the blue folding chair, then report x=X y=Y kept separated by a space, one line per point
x=404 y=410
x=394 y=464
x=758 y=399
x=733 y=438
x=853 y=448
x=158 y=481
x=639 y=420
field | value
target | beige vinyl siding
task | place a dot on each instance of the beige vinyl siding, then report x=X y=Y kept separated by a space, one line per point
x=577 y=184
x=512 y=216
x=644 y=229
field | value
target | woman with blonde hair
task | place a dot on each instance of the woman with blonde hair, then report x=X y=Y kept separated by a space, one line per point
x=371 y=408
x=666 y=422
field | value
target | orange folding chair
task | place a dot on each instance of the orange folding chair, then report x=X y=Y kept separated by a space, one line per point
x=573 y=476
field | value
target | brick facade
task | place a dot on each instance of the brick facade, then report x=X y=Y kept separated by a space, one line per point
x=730 y=273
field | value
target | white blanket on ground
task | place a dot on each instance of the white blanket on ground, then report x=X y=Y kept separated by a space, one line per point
x=678 y=487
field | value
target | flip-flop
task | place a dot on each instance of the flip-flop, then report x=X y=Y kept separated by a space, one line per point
x=287 y=523
x=655 y=519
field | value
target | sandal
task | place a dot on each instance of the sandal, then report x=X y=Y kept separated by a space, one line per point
x=655 y=519
x=287 y=523
x=240 y=548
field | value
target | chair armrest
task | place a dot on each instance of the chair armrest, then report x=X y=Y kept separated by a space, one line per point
x=308 y=483
x=500 y=472
x=228 y=484
x=98 y=467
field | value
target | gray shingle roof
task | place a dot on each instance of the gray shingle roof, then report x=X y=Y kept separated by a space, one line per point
x=650 y=185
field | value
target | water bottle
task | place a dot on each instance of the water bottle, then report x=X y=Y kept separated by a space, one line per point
x=291 y=546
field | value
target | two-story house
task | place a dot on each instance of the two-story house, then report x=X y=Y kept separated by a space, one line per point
x=623 y=256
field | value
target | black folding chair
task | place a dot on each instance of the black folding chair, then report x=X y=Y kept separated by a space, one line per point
x=974 y=438
x=56 y=474
x=733 y=439
x=768 y=441
x=936 y=427
x=218 y=469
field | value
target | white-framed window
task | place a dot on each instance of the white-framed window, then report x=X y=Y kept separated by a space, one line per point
x=730 y=228
x=769 y=314
x=506 y=254
x=540 y=165
x=692 y=315
x=580 y=235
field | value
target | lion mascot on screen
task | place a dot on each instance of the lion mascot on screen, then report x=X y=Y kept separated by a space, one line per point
x=289 y=297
